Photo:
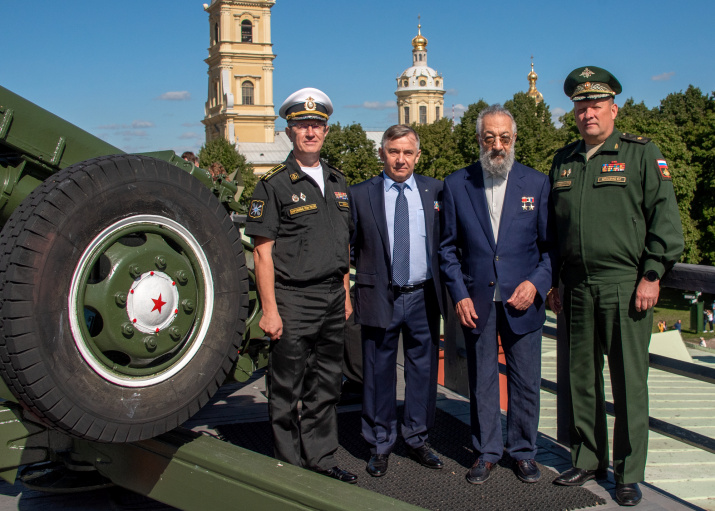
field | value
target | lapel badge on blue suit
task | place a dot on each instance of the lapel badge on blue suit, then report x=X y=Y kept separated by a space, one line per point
x=527 y=203
x=438 y=205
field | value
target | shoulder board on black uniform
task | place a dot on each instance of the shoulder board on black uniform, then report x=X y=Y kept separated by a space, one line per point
x=275 y=170
x=333 y=168
x=568 y=147
x=635 y=138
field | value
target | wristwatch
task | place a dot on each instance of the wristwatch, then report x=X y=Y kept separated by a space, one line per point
x=651 y=276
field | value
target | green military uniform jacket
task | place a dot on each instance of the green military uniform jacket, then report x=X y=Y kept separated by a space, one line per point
x=310 y=230
x=616 y=214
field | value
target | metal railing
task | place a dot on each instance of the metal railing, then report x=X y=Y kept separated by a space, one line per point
x=686 y=277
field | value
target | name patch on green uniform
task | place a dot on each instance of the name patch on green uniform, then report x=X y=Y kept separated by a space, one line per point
x=562 y=184
x=611 y=179
x=302 y=209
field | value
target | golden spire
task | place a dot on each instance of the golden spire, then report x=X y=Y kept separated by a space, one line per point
x=532 y=77
x=419 y=42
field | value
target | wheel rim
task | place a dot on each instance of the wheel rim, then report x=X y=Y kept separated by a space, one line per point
x=140 y=300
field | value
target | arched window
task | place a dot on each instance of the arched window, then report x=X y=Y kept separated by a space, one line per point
x=437 y=117
x=246 y=31
x=423 y=115
x=215 y=33
x=247 y=92
x=407 y=115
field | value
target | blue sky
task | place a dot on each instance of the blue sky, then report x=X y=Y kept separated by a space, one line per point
x=133 y=72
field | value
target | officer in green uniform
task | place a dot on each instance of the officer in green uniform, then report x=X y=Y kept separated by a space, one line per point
x=300 y=219
x=619 y=231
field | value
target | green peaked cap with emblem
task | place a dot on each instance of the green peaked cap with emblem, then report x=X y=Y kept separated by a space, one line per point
x=591 y=82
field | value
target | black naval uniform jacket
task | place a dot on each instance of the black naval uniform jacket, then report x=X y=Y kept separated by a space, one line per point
x=310 y=230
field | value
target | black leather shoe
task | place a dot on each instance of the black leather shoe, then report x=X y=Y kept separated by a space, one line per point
x=377 y=466
x=424 y=456
x=339 y=474
x=577 y=476
x=527 y=471
x=628 y=494
x=480 y=471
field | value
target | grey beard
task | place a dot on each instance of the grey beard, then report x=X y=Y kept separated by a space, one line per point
x=496 y=169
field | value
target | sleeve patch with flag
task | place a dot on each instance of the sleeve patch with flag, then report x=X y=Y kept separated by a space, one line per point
x=663 y=169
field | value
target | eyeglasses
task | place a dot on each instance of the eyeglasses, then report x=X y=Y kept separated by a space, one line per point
x=490 y=139
x=304 y=127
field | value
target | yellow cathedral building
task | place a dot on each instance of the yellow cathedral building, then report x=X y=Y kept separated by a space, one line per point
x=240 y=105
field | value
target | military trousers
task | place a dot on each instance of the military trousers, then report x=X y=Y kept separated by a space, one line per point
x=305 y=369
x=602 y=320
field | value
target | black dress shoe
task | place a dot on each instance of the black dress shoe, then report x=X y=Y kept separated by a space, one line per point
x=424 y=456
x=377 y=466
x=527 y=471
x=628 y=494
x=480 y=471
x=577 y=476
x=339 y=474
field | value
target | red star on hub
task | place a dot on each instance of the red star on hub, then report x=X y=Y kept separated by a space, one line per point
x=158 y=304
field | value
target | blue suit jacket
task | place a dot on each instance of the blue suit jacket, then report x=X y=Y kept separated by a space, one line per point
x=370 y=247
x=472 y=262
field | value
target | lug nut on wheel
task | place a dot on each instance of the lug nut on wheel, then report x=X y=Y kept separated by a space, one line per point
x=135 y=271
x=174 y=333
x=121 y=299
x=188 y=306
x=127 y=330
x=160 y=262
x=181 y=277
x=150 y=343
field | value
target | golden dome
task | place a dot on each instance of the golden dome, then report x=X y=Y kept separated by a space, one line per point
x=532 y=76
x=419 y=42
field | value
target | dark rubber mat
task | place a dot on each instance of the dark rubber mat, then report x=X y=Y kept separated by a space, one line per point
x=445 y=489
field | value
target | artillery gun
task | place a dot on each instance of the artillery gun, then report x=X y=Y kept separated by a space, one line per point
x=125 y=302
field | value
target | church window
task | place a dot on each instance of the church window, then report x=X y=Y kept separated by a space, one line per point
x=247 y=92
x=246 y=31
x=215 y=33
x=437 y=116
x=436 y=83
x=407 y=115
x=405 y=83
x=422 y=83
x=423 y=115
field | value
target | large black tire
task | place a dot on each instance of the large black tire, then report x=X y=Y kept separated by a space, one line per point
x=82 y=261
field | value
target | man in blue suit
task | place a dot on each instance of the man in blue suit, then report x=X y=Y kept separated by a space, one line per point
x=397 y=291
x=494 y=256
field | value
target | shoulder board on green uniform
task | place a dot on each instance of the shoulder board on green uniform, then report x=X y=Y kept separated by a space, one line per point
x=275 y=170
x=635 y=138
x=568 y=147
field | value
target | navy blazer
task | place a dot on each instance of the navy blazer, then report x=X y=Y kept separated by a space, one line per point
x=370 y=246
x=472 y=262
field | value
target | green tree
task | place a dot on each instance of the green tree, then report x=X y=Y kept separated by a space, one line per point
x=465 y=132
x=221 y=150
x=693 y=114
x=537 y=137
x=640 y=120
x=440 y=156
x=348 y=149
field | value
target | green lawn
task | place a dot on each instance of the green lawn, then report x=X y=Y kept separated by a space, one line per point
x=672 y=306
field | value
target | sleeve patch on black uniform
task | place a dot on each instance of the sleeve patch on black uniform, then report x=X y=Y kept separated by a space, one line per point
x=255 y=210
x=663 y=169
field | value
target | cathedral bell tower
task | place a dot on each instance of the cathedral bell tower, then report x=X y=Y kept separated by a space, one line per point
x=240 y=95
x=420 y=89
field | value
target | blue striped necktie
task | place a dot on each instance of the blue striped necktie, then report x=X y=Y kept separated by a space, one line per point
x=401 y=239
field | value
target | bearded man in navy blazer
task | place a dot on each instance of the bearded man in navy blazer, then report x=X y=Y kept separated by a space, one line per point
x=397 y=291
x=494 y=256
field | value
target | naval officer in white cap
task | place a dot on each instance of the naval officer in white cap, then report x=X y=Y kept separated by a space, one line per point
x=300 y=219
